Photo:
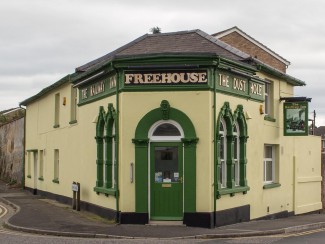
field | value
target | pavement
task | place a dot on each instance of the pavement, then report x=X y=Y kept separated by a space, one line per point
x=35 y=214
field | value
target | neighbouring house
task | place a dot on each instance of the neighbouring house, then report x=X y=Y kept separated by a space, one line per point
x=12 y=145
x=183 y=126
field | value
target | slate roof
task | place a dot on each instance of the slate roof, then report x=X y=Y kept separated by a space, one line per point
x=183 y=42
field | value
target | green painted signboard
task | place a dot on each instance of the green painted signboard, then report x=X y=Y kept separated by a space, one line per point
x=295 y=118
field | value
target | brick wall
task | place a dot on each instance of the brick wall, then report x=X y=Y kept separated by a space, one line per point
x=12 y=151
x=236 y=40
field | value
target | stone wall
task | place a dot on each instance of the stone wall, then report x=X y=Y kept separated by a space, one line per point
x=323 y=180
x=12 y=151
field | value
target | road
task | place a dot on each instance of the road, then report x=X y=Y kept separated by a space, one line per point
x=11 y=237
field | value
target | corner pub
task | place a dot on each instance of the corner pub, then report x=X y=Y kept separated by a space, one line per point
x=183 y=126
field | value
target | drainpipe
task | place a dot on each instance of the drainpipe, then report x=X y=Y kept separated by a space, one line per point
x=215 y=141
x=117 y=144
x=24 y=147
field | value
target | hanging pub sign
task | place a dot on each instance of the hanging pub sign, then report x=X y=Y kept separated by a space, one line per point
x=295 y=118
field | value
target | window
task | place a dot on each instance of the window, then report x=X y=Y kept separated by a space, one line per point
x=223 y=154
x=106 y=146
x=236 y=151
x=56 y=165
x=29 y=164
x=74 y=101
x=41 y=165
x=268 y=103
x=231 y=151
x=57 y=111
x=268 y=164
x=271 y=166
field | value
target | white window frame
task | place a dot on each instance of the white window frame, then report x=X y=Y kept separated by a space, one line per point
x=113 y=155
x=56 y=164
x=237 y=153
x=57 y=110
x=223 y=161
x=104 y=155
x=74 y=102
x=165 y=138
x=268 y=160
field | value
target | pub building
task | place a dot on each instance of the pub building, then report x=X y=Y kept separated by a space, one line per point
x=203 y=130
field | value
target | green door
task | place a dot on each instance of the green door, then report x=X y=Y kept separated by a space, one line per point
x=166 y=179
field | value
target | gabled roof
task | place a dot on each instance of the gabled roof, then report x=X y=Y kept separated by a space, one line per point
x=183 y=42
x=248 y=37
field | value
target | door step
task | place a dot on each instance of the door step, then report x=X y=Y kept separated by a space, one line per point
x=170 y=223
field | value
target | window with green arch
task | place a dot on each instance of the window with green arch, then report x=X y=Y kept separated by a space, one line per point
x=105 y=141
x=231 y=151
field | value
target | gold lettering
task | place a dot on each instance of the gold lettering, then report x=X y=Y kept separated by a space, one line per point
x=224 y=80
x=194 y=77
x=138 y=78
x=175 y=78
x=183 y=79
x=129 y=78
x=202 y=78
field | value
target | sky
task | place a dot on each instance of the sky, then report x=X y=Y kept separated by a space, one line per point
x=41 y=40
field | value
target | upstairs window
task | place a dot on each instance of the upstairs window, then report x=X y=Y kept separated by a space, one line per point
x=57 y=110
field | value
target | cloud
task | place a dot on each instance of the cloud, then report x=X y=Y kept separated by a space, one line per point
x=42 y=41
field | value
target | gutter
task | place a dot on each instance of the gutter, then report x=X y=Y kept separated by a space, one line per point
x=117 y=135
x=215 y=141
x=24 y=147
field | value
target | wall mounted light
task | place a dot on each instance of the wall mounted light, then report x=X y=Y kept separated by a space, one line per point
x=64 y=101
x=261 y=109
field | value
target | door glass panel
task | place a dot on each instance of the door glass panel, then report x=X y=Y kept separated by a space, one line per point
x=166 y=164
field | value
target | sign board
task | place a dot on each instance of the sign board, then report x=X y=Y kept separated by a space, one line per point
x=175 y=77
x=75 y=187
x=295 y=118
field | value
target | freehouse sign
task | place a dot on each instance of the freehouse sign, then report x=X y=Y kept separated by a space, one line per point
x=174 y=77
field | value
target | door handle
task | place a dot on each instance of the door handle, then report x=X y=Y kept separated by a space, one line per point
x=180 y=180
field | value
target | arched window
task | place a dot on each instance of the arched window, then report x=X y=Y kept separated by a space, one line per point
x=106 y=160
x=231 y=151
x=223 y=153
x=236 y=152
x=166 y=130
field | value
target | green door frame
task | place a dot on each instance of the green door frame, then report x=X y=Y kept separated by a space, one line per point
x=141 y=141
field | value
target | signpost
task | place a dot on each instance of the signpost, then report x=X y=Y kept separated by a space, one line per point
x=76 y=196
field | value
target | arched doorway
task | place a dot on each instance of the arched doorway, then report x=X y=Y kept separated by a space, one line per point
x=160 y=130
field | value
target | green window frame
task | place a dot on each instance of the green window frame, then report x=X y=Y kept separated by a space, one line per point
x=235 y=131
x=106 y=144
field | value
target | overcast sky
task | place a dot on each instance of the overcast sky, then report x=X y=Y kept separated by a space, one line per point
x=42 y=40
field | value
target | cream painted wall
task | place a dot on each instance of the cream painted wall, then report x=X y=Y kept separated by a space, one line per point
x=136 y=105
x=78 y=150
x=76 y=144
x=289 y=149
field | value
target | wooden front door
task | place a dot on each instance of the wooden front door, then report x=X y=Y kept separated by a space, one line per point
x=166 y=181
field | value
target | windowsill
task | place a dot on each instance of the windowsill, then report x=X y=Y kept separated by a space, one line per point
x=41 y=178
x=232 y=191
x=269 y=118
x=56 y=126
x=271 y=185
x=56 y=181
x=106 y=191
x=29 y=176
x=73 y=122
